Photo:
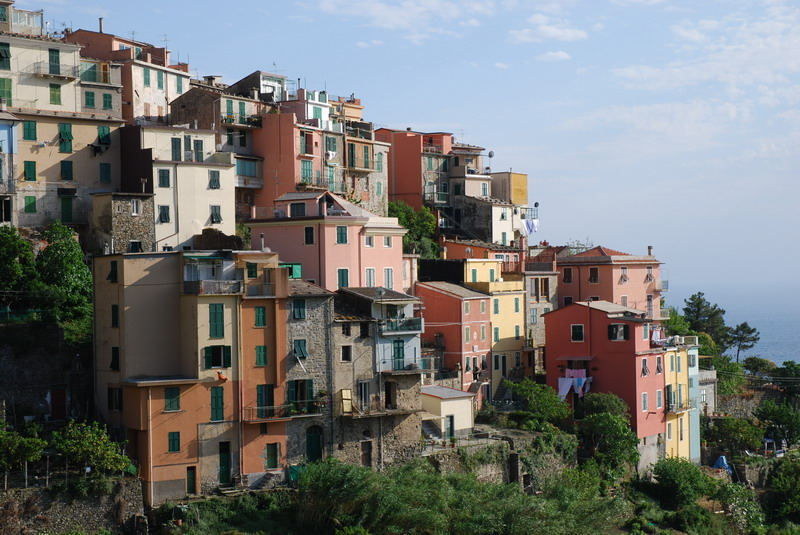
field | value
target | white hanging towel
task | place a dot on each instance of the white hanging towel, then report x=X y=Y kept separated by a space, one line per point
x=534 y=223
x=564 y=386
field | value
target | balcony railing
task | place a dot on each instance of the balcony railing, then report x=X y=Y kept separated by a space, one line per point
x=437 y=197
x=435 y=149
x=212 y=287
x=95 y=76
x=679 y=407
x=401 y=325
x=311 y=407
x=44 y=68
x=241 y=120
x=529 y=213
x=360 y=133
x=661 y=286
x=365 y=164
x=261 y=290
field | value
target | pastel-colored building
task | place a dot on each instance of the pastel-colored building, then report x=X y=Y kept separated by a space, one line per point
x=192 y=183
x=458 y=322
x=604 y=274
x=150 y=81
x=608 y=346
x=333 y=242
x=680 y=376
x=451 y=410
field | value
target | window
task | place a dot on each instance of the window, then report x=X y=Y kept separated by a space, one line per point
x=176 y=152
x=623 y=300
x=483 y=307
x=88 y=99
x=387 y=241
x=252 y=270
x=114 y=399
x=299 y=309
x=644 y=401
x=534 y=316
x=107 y=101
x=379 y=185
x=261 y=355
x=669 y=431
x=261 y=316
x=216 y=214
x=594 y=275
x=703 y=396
x=467 y=335
x=678 y=360
x=369 y=241
x=163 y=214
x=491 y=275
x=646 y=331
x=112 y=271
x=341 y=234
x=64 y=137
x=504 y=238
x=55 y=94
x=297 y=209
x=316 y=112
x=379 y=166
x=466 y=307
x=496 y=305
x=623 y=274
x=5 y=50
x=306 y=170
x=114 y=359
x=516 y=332
x=216 y=320
x=484 y=189
x=659 y=399
x=576 y=332
x=618 y=332
x=672 y=362
x=217 y=404
x=567 y=275
x=115 y=315
x=474 y=275
x=388 y=278
x=483 y=332
x=174 y=441
x=497 y=334
x=160 y=79
x=680 y=429
x=29 y=130
x=516 y=304
x=346 y=329
x=5 y=90
x=271 y=451
x=309 y=235
x=659 y=364
x=300 y=349
x=363 y=329
x=347 y=353
x=134 y=246
x=497 y=362
x=172 y=398
x=146 y=73
x=66 y=170
x=343 y=276
x=213 y=179
x=370 y=277
x=567 y=301
x=295 y=270
x=217 y=357
x=645 y=369
x=163 y=178
x=330 y=144
x=105 y=172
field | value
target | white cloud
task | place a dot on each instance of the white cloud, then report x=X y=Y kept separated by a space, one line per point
x=543 y=28
x=368 y=44
x=558 y=55
x=502 y=66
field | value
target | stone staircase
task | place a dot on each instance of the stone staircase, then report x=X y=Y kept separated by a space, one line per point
x=430 y=430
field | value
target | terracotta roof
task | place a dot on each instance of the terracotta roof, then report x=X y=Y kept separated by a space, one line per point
x=601 y=251
x=454 y=289
x=378 y=294
x=300 y=287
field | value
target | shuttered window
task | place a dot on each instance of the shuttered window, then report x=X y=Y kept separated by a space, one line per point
x=300 y=349
x=216 y=320
x=105 y=172
x=64 y=137
x=299 y=309
x=66 y=170
x=217 y=404
x=172 y=398
x=174 y=441
x=5 y=90
x=30 y=204
x=29 y=170
x=55 y=94
x=341 y=234
x=272 y=456
x=261 y=355
x=104 y=135
x=163 y=178
x=261 y=316
x=29 y=130
x=146 y=73
x=216 y=214
x=160 y=79
x=108 y=102
x=5 y=56
x=252 y=270
x=114 y=359
x=163 y=214
x=213 y=179
x=88 y=99
x=176 y=149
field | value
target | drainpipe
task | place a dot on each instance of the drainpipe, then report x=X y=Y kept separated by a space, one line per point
x=381 y=393
x=150 y=445
x=238 y=378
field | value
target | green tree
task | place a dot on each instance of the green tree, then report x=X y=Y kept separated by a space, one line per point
x=789 y=370
x=610 y=441
x=706 y=317
x=743 y=337
x=758 y=366
x=679 y=482
x=88 y=444
x=783 y=421
x=783 y=498
x=421 y=225
x=741 y=505
x=707 y=345
x=9 y=443
x=17 y=268
x=730 y=375
x=735 y=435
x=676 y=324
x=542 y=402
x=599 y=402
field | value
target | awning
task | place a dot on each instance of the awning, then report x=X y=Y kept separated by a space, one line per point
x=582 y=357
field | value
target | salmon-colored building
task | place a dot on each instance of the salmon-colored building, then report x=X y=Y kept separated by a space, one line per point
x=604 y=274
x=333 y=242
x=607 y=347
x=458 y=323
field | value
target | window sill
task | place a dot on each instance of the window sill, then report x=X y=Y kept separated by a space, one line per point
x=172 y=411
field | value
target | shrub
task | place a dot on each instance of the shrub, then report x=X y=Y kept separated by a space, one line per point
x=679 y=482
x=597 y=402
x=691 y=519
x=783 y=498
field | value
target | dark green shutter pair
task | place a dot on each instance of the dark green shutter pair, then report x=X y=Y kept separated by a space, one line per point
x=208 y=356
x=216 y=320
x=104 y=135
x=261 y=355
x=213 y=179
x=163 y=178
x=30 y=170
x=261 y=317
x=176 y=149
x=299 y=309
x=265 y=400
x=29 y=130
x=216 y=214
x=174 y=440
x=300 y=349
x=217 y=404
x=172 y=398
x=105 y=172
x=66 y=170
x=64 y=137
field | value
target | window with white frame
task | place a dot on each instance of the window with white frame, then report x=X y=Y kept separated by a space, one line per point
x=369 y=241
x=659 y=399
x=370 y=277
x=644 y=401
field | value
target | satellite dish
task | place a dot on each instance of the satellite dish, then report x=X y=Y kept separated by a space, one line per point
x=491 y=154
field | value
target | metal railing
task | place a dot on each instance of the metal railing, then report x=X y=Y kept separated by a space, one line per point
x=361 y=163
x=100 y=77
x=307 y=407
x=401 y=325
x=212 y=287
x=441 y=197
x=436 y=149
x=237 y=119
x=661 y=286
x=678 y=407
x=44 y=68
x=266 y=289
x=529 y=213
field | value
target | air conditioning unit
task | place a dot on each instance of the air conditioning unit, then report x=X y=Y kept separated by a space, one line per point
x=330 y=154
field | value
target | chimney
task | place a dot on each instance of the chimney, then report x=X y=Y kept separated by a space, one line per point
x=649 y=250
x=100 y=21
x=254 y=93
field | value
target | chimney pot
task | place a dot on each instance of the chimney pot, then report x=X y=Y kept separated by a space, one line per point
x=100 y=21
x=649 y=250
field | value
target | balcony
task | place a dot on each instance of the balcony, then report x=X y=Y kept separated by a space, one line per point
x=679 y=407
x=361 y=164
x=529 y=213
x=254 y=182
x=401 y=326
x=364 y=131
x=433 y=149
x=661 y=286
x=245 y=121
x=437 y=197
x=374 y=408
x=212 y=287
x=261 y=290
x=45 y=69
x=296 y=409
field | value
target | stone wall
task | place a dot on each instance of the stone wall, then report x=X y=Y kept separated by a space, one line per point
x=742 y=405
x=492 y=463
x=127 y=227
x=38 y=511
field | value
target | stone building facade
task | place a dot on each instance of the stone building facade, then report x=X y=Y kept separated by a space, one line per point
x=121 y=223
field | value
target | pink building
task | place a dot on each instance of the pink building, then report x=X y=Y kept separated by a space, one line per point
x=605 y=274
x=609 y=345
x=457 y=322
x=332 y=242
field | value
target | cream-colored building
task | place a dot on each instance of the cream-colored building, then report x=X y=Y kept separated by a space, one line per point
x=193 y=184
x=451 y=410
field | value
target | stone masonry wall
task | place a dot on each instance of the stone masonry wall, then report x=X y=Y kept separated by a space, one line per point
x=127 y=227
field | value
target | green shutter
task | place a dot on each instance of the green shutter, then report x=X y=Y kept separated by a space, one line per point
x=163 y=178
x=299 y=309
x=176 y=149
x=207 y=357
x=104 y=135
x=497 y=334
x=5 y=90
x=261 y=355
x=54 y=61
x=5 y=55
x=172 y=398
x=516 y=304
x=160 y=79
x=344 y=278
x=146 y=77
x=217 y=404
x=105 y=172
x=29 y=130
x=66 y=209
x=309 y=389
x=496 y=306
x=213 y=179
x=242 y=111
x=64 y=137
x=88 y=99
x=291 y=391
x=66 y=170
x=179 y=84
x=226 y=356
x=55 y=94
x=29 y=170
x=252 y=270
x=272 y=455
x=107 y=101
x=174 y=439
x=30 y=204
x=261 y=401
x=216 y=312
x=261 y=317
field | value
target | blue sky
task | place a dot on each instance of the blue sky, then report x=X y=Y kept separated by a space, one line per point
x=640 y=122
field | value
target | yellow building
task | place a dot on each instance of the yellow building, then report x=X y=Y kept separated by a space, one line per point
x=507 y=315
x=676 y=397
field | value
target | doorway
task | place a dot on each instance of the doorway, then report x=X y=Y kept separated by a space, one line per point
x=191 y=480
x=390 y=394
x=314 y=443
x=366 y=453
x=224 y=463
x=449 y=426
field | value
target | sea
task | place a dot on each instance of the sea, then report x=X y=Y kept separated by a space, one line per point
x=775 y=314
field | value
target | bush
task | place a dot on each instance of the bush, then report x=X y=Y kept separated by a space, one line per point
x=679 y=482
x=597 y=402
x=691 y=519
x=783 y=498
